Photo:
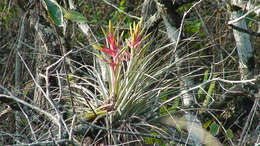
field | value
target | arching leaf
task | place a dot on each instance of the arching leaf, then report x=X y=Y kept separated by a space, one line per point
x=75 y=16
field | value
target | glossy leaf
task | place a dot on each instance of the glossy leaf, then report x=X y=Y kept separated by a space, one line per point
x=55 y=12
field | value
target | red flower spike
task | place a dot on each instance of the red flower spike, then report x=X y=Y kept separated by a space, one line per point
x=115 y=55
x=113 y=51
x=111 y=41
x=113 y=48
x=137 y=42
x=109 y=51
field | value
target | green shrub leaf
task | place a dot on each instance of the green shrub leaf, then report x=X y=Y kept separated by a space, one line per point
x=210 y=91
x=214 y=128
x=75 y=16
x=55 y=12
x=193 y=26
x=200 y=92
x=230 y=134
x=206 y=125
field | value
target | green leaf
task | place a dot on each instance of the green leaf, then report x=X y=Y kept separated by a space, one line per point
x=210 y=91
x=230 y=134
x=206 y=125
x=193 y=26
x=55 y=12
x=214 y=128
x=75 y=16
x=149 y=140
x=121 y=5
x=176 y=103
x=163 y=110
x=200 y=92
x=184 y=7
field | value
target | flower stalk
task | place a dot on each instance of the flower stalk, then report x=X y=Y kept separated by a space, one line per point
x=115 y=54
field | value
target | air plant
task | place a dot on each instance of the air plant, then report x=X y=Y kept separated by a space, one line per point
x=120 y=58
x=133 y=76
x=137 y=82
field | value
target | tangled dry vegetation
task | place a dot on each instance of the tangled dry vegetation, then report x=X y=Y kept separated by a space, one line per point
x=126 y=73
